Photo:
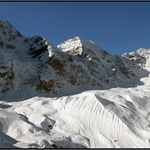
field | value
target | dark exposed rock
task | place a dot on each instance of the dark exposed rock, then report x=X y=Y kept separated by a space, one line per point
x=36 y=52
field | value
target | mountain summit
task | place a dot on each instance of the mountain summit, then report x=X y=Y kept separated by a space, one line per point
x=8 y=32
x=76 y=63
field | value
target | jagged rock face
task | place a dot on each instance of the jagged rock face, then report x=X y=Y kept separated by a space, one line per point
x=101 y=66
x=65 y=73
x=6 y=78
x=141 y=57
x=35 y=63
x=16 y=66
x=135 y=57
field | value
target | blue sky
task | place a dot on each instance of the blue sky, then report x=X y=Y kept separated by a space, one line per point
x=117 y=27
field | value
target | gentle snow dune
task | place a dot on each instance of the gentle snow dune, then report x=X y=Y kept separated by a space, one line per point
x=118 y=117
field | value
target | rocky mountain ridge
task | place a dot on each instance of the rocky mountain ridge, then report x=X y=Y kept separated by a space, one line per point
x=75 y=63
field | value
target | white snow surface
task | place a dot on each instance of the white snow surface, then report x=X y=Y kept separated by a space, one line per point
x=116 y=116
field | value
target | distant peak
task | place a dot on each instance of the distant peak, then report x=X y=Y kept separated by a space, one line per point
x=3 y=20
x=77 y=38
x=8 y=31
x=5 y=23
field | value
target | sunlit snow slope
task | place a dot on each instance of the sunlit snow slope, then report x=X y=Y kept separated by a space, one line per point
x=74 y=95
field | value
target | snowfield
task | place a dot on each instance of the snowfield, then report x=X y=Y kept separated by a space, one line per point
x=74 y=95
x=118 y=117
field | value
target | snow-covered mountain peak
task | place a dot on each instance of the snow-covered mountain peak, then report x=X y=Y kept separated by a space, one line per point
x=141 y=52
x=144 y=52
x=72 y=46
x=141 y=57
x=8 y=32
x=21 y=58
x=74 y=63
x=78 y=46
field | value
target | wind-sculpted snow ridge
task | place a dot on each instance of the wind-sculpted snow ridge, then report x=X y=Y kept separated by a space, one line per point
x=73 y=95
x=93 y=119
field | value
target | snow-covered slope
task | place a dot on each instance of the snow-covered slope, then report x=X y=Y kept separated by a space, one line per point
x=44 y=68
x=73 y=95
x=101 y=67
x=141 y=57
